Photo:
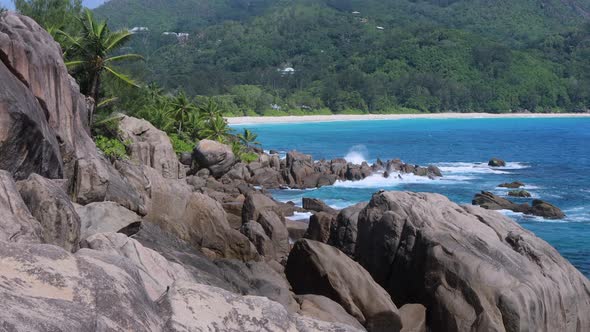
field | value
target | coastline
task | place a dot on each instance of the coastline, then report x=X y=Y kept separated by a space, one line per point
x=244 y=120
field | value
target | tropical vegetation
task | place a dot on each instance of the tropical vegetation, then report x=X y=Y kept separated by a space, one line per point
x=264 y=57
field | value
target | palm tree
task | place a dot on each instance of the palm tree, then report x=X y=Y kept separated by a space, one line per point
x=248 y=138
x=216 y=129
x=90 y=54
x=182 y=107
x=210 y=110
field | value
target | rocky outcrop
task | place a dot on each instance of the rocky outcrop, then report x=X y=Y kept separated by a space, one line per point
x=151 y=147
x=473 y=269
x=24 y=131
x=16 y=222
x=539 y=208
x=263 y=210
x=323 y=308
x=317 y=268
x=319 y=227
x=495 y=162
x=296 y=229
x=51 y=206
x=216 y=157
x=35 y=59
x=344 y=229
x=105 y=217
x=45 y=288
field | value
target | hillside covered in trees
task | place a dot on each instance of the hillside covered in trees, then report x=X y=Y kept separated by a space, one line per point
x=319 y=56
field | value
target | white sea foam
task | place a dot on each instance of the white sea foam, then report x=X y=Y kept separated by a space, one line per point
x=396 y=179
x=298 y=216
x=357 y=154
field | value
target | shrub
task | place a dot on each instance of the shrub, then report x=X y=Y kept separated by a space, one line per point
x=113 y=148
x=181 y=145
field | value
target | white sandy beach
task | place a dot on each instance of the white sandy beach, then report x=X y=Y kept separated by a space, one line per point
x=364 y=117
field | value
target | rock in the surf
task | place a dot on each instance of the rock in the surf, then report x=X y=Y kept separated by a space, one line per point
x=546 y=210
x=496 y=162
x=519 y=193
x=473 y=269
x=512 y=185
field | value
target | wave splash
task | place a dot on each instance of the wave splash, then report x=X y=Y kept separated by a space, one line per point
x=479 y=168
x=357 y=154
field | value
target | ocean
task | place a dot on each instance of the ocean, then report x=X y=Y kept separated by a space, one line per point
x=551 y=156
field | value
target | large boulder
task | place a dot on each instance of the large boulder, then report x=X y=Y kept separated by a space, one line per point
x=299 y=171
x=16 y=222
x=317 y=205
x=196 y=307
x=216 y=157
x=105 y=217
x=151 y=147
x=27 y=143
x=343 y=232
x=323 y=308
x=35 y=59
x=319 y=227
x=472 y=268
x=45 y=288
x=263 y=210
x=317 y=268
x=489 y=201
x=413 y=317
x=51 y=206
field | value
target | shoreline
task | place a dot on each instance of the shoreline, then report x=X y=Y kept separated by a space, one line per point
x=247 y=120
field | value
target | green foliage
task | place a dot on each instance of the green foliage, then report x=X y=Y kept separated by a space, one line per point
x=243 y=153
x=432 y=56
x=180 y=145
x=113 y=148
x=52 y=14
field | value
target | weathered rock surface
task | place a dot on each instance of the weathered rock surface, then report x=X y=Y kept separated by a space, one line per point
x=45 y=288
x=195 y=307
x=344 y=229
x=473 y=269
x=216 y=157
x=51 y=206
x=317 y=268
x=263 y=210
x=16 y=222
x=151 y=147
x=27 y=143
x=36 y=60
x=323 y=308
x=319 y=227
x=296 y=228
x=105 y=217
x=413 y=318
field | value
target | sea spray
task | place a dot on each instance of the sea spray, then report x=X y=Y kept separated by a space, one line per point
x=357 y=154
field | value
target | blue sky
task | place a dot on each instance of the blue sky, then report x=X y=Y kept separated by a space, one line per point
x=88 y=3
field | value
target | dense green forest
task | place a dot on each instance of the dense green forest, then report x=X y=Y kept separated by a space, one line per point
x=364 y=55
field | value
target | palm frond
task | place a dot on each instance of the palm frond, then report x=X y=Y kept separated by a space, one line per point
x=121 y=76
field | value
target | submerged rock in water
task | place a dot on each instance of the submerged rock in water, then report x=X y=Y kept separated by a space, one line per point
x=317 y=268
x=512 y=185
x=519 y=193
x=473 y=269
x=540 y=208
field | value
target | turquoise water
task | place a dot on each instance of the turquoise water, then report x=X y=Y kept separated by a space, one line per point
x=551 y=156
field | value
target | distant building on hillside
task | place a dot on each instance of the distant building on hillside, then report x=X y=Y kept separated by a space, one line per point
x=356 y=13
x=380 y=28
x=181 y=37
x=286 y=71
